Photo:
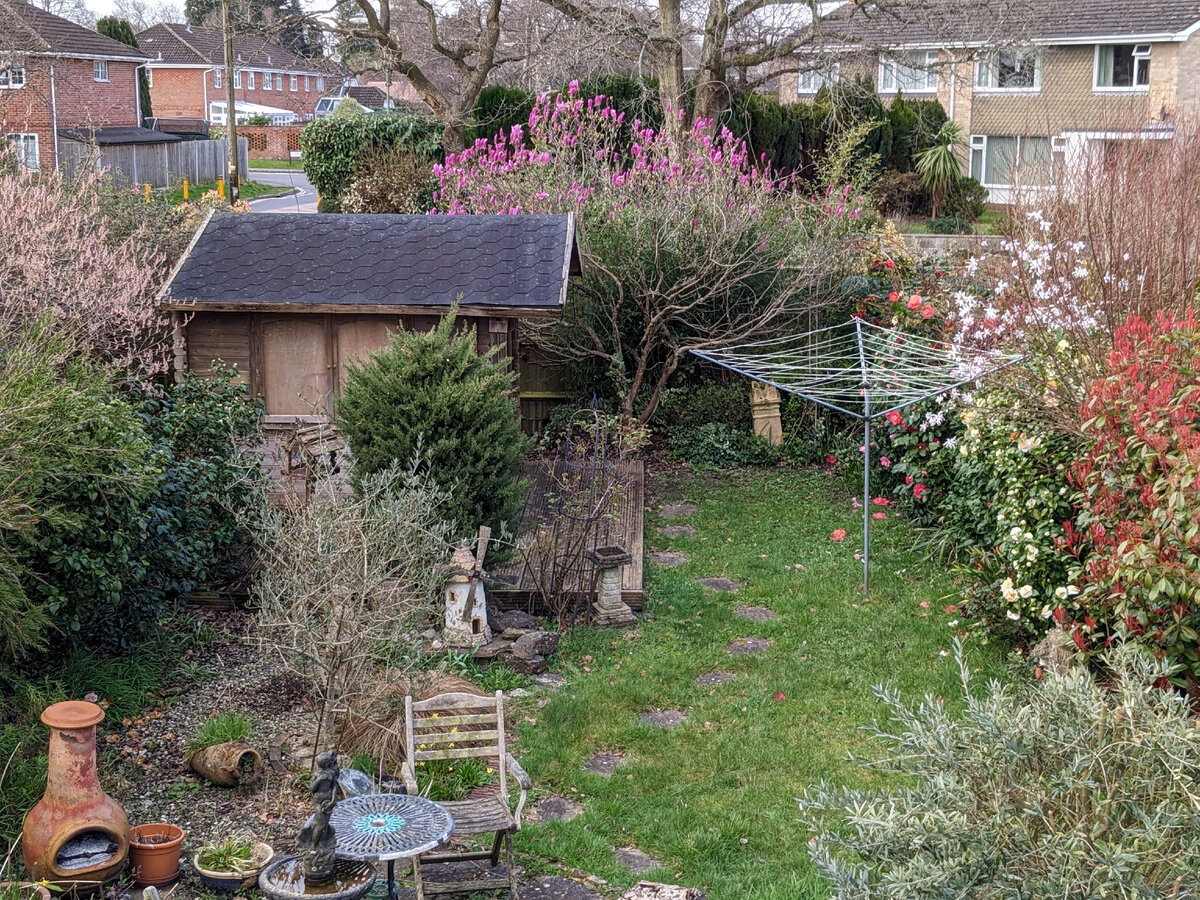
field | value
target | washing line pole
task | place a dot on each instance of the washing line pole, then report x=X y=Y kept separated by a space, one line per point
x=866 y=502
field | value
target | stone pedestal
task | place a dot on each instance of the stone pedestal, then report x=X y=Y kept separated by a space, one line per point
x=764 y=409
x=610 y=607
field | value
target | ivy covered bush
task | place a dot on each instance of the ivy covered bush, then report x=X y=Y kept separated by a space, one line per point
x=1066 y=787
x=432 y=392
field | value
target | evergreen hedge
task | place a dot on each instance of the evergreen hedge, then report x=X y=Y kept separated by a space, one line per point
x=430 y=393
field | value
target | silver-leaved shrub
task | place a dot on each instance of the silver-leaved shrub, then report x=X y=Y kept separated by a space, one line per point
x=1074 y=786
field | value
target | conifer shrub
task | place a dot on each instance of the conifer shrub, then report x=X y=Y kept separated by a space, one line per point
x=432 y=392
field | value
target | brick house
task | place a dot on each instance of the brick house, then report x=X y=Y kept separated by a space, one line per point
x=188 y=70
x=56 y=75
x=1033 y=83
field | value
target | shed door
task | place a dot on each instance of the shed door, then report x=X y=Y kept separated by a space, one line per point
x=356 y=337
x=296 y=366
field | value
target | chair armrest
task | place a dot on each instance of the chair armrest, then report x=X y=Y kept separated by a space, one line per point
x=523 y=780
x=410 y=778
x=514 y=769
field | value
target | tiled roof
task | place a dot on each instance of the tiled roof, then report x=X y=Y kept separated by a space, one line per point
x=197 y=45
x=118 y=134
x=279 y=259
x=26 y=28
x=370 y=97
x=1005 y=21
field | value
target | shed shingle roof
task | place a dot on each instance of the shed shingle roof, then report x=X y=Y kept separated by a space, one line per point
x=25 y=28
x=1006 y=21
x=201 y=46
x=266 y=260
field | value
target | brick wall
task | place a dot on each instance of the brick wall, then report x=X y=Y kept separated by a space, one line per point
x=1188 y=74
x=182 y=92
x=80 y=100
x=271 y=141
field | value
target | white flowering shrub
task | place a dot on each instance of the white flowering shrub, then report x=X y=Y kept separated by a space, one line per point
x=1066 y=787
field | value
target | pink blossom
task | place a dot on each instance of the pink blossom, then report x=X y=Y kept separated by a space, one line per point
x=878 y=515
x=885 y=462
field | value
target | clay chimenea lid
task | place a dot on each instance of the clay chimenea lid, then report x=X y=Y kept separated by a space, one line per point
x=71 y=714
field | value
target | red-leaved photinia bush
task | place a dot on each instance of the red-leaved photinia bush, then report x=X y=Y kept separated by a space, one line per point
x=1139 y=520
x=688 y=245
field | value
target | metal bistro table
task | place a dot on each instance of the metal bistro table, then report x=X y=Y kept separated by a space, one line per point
x=389 y=827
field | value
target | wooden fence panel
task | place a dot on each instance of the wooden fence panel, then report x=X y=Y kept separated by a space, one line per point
x=161 y=165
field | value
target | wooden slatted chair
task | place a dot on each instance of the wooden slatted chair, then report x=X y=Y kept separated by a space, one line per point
x=466 y=726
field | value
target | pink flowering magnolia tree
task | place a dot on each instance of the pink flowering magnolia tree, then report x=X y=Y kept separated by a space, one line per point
x=686 y=247
x=62 y=266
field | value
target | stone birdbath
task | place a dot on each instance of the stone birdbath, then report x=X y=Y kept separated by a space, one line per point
x=611 y=608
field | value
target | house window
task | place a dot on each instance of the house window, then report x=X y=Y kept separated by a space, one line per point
x=26 y=146
x=294 y=83
x=307 y=85
x=1005 y=71
x=100 y=70
x=217 y=78
x=320 y=82
x=910 y=72
x=250 y=80
x=237 y=79
x=12 y=78
x=278 y=82
x=999 y=161
x=1122 y=67
x=149 y=77
x=266 y=81
x=812 y=81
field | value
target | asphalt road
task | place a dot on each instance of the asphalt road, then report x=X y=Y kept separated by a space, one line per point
x=303 y=200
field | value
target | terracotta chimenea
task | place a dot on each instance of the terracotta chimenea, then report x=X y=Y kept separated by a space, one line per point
x=77 y=836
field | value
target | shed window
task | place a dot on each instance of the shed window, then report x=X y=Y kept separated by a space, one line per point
x=1122 y=66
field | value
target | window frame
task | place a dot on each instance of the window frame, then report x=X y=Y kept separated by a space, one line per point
x=979 y=143
x=12 y=73
x=889 y=62
x=23 y=139
x=279 y=81
x=249 y=79
x=217 y=78
x=237 y=79
x=320 y=82
x=293 y=83
x=1140 y=58
x=100 y=70
x=825 y=76
x=266 y=82
x=987 y=62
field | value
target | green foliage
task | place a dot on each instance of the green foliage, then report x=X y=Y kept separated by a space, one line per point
x=447 y=780
x=966 y=199
x=949 y=225
x=855 y=103
x=494 y=677
x=938 y=164
x=221 y=730
x=792 y=136
x=1062 y=788
x=120 y=30
x=499 y=108
x=700 y=402
x=334 y=147
x=717 y=445
x=432 y=392
x=395 y=180
x=232 y=855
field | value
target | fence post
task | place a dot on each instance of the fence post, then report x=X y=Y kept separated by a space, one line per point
x=146 y=191
x=221 y=187
x=185 y=190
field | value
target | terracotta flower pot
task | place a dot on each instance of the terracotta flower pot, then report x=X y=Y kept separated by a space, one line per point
x=234 y=881
x=154 y=853
x=76 y=837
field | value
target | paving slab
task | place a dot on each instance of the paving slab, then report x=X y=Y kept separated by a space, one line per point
x=747 y=646
x=555 y=888
x=667 y=718
x=553 y=809
x=756 y=613
x=652 y=890
x=635 y=860
x=714 y=678
x=677 y=531
x=549 y=681
x=678 y=510
x=604 y=763
x=667 y=559
x=725 y=585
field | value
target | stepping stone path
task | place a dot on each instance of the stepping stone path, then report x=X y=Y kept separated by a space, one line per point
x=549 y=681
x=667 y=559
x=667 y=718
x=635 y=860
x=554 y=809
x=747 y=646
x=714 y=678
x=678 y=510
x=604 y=762
x=720 y=584
x=650 y=890
x=756 y=613
x=677 y=531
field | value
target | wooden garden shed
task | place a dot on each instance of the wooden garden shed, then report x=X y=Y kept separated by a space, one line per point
x=291 y=299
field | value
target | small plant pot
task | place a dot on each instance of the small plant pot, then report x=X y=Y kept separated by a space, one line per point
x=154 y=853
x=29 y=890
x=236 y=881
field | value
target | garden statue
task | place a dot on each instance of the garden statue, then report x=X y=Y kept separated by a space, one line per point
x=317 y=841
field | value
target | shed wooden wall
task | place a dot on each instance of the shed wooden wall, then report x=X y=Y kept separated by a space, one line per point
x=296 y=362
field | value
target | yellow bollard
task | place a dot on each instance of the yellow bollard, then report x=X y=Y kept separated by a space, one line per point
x=185 y=191
x=146 y=191
x=221 y=188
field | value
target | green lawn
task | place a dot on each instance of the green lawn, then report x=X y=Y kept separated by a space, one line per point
x=276 y=164
x=713 y=798
x=249 y=190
